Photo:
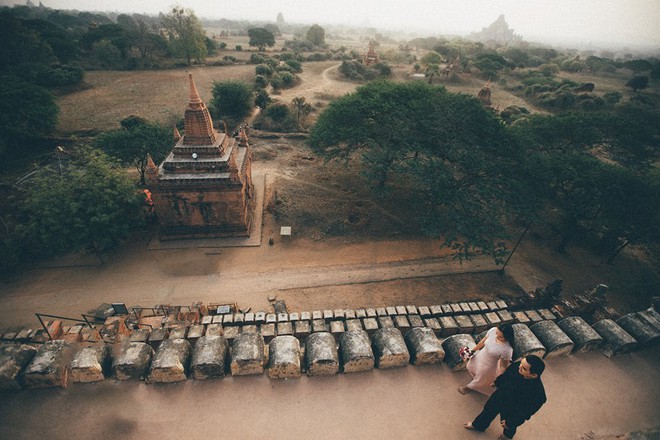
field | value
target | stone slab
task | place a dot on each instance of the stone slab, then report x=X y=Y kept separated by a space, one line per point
x=302 y=329
x=209 y=358
x=170 y=363
x=533 y=316
x=284 y=357
x=615 y=339
x=492 y=318
x=480 y=323
x=349 y=314
x=389 y=348
x=556 y=342
x=424 y=346
x=231 y=332
x=385 y=322
x=520 y=317
x=140 y=335
x=285 y=328
x=360 y=313
x=267 y=332
x=355 y=352
x=526 y=343
x=640 y=329
x=319 y=325
x=401 y=322
x=434 y=325
x=247 y=355
x=90 y=364
x=13 y=360
x=581 y=333
x=424 y=312
x=370 y=325
x=132 y=360
x=215 y=330
x=400 y=310
x=465 y=324
x=372 y=313
x=50 y=365
x=337 y=327
x=415 y=321
x=547 y=315
x=436 y=311
x=321 y=356
x=353 y=325
x=449 y=325
x=505 y=316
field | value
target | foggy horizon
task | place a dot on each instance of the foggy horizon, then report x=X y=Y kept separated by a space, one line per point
x=604 y=24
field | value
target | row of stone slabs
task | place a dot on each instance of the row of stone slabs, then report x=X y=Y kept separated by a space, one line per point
x=301 y=325
x=57 y=362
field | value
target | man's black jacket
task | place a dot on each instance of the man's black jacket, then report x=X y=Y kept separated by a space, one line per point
x=519 y=398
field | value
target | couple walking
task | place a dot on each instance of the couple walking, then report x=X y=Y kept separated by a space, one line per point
x=516 y=391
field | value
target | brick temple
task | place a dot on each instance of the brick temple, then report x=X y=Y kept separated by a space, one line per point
x=203 y=189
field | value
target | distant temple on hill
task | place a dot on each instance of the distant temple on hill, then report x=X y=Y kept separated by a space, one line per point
x=498 y=32
x=203 y=189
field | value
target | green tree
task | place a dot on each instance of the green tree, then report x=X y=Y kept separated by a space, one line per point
x=638 y=82
x=261 y=38
x=315 y=35
x=27 y=112
x=90 y=203
x=450 y=151
x=638 y=66
x=232 y=99
x=262 y=99
x=301 y=107
x=431 y=58
x=185 y=33
x=432 y=72
x=132 y=144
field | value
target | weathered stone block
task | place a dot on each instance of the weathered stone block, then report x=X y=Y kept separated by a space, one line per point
x=260 y=317
x=284 y=357
x=206 y=320
x=355 y=352
x=140 y=335
x=447 y=309
x=483 y=307
x=317 y=314
x=178 y=332
x=372 y=313
x=249 y=318
x=282 y=317
x=501 y=304
x=452 y=345
x=90 y=364
x=217 y=319
x=215 y=330
x=415 y=321
x=533 y=316
x=640 y=329
x=170 y=363
x=434 y=325
x=132 y=360
x=195 y=332
x=50 y=366
x=390 y=350
x=398 y=310
x=239 y=318
x=492 y=306
x=615 y=339
x=337 y=327
x=556 y=342
x=436 y=310
x=474 y=308
x=526 y=342
x=424 y=312
x=520 y=317
x=339 y=314
x=581 y=333
x=465 y=307
x=492 y=319
x=13 y=359
x=424 y=346
x=247 y=354
x=302 y=329
x=305 y=316
x=157 y=336
x=505 y=316
x=360 y=313
x=230 y=333
x=401 y=322
x=456 y=309
x=267 y=332
x=349 y=314
x=228 y=319
x=284 y=328
x=480 y=323
x=370 y=325
x=321 y=357
x=385 y=321
x=465 y=324
x=294 y=316
x=271 y=318
x=319 y=325
x=449 y=325
x=209 y=359
x=651 y=316
x=327 y=314
x=547 y=314
x=353 y=325
x=250 y=328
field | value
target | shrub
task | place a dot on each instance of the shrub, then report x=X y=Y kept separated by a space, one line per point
x=264 y=70
x=239 y=48
x=287 y=78
x=295 y=65
x=612 y=97
x=260 y=81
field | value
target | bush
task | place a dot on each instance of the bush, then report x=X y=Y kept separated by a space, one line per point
x=239 y=48
x=262 y=99
x=612 y=97
x=276 y=117
x=222 y=45
x=295 y=65
x=263 y=69
x=260 y=81
x=276 y=81
x=287 y=78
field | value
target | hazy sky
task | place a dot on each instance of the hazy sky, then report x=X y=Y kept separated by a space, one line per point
x=623 y=22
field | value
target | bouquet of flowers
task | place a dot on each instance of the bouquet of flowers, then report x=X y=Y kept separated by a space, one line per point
x=465 y=353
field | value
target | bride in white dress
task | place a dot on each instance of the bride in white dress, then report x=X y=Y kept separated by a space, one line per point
x=492 y=356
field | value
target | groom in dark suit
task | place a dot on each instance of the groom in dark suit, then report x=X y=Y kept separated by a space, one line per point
x=519 y=395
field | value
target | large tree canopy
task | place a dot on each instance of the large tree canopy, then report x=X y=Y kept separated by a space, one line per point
x=261 y=37
x=186 y=35
x=445 y=146
x=85 y=202
x=131 y=145
x=232 y=99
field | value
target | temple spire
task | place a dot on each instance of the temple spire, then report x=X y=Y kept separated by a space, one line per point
x=194 y=100
x=177 y=135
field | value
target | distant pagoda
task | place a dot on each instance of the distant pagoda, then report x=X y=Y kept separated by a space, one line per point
x=371 y=57
x=204 y=187
x=498 y=32
x=484 y=95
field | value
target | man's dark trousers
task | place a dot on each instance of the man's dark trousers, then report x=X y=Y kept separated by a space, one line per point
x=492 y=408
